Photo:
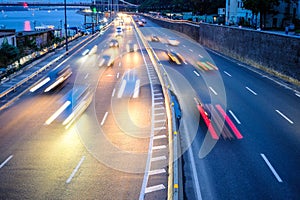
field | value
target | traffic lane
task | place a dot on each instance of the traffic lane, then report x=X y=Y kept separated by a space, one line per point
x=40 y=154
x=108 y=142
x=237 y=154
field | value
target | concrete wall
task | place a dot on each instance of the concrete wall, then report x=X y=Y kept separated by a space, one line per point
x=272 y=52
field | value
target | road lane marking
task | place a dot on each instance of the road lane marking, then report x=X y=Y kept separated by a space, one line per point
x=75 y=170
x=136 y=89
x=215 y=93
x=251 y=91
x=159 y=137
x=113 y=93
x=297 y=94
x=159 y=128
x=159 y=108
x=86 y=76
x=197 y=74
x=122 y=88
x=200 y=56
x=229 y=122
x=5 y=161
x=235 y=118
x=118 y=74
x=159 y=147
x=271 y=168
x=157 y=171
x=285 y=117
x=154 y=188
x=120 y=64
x=158 y=98
x=104 y=118
x=191 y=50
x=159 y=121
x=183 y=45
x=227 y=74
x=153 y=159
x=57 y=113
x=159 y=103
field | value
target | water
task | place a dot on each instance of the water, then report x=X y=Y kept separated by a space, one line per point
x=27 y=20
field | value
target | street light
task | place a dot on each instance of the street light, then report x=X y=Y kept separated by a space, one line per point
x=66 y=31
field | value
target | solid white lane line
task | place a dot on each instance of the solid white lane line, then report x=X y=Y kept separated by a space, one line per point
x=154 y=188
x=159 y=103
x=57 y=113
x=159 y=137
x=122 y=88
x=197 y=74
x=159 y=108
x=136 y=89
x=227 y=74
x=75 y=170
x=158 y=158
x=251 y=91
x=86 y=76
x=118 y=74
x=285 y=117
x=157 y=171
x=113 y=93
x=297 y=94
x=158 y=98
x=215 y=93
x=104 y=118
x=233 y=115
x=271 y=168
x=159 y=147
x=191 y=50
x=5 y=161
x=200 y=56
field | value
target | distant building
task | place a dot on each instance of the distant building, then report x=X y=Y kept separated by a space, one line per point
x=285 y=14
x=9 y=35
x=237 y=15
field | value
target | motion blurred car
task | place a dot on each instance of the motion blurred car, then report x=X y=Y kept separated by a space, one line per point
x=119 y=32
x=131 y=47
x=114 y=43
x=173 y=42
x=154 y=38
x=106 y=61
x=174 y=57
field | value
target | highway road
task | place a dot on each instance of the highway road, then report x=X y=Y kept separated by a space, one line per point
x=239 y=130
x=253 y=150
x=117 y=148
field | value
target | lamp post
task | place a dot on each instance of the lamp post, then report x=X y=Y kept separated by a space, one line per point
x=66 y=29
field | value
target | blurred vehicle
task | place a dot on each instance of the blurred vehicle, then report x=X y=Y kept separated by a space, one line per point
x=131 y=47
x=93 y=50
x=80 y=97
x=173 y=42
x=85 y=52
x=55 y=77
x=154 y=38
x=106 y=61
x=114 y=43
x=119 y=31
x=140 y=23
x=143 y=20
x=175 y=57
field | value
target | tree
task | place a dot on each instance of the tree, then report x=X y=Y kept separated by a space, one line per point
x=8 y=53
x=261 y=6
